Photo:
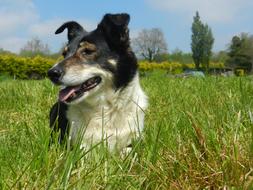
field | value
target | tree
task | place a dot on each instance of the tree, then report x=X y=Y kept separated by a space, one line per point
x=208 y=41
x=34 y=47
x=150 y=43
x=240 y=52
x=161 y=57
x=221 y=56
x=202 y=42
x=178 y=55
x=196 y=44
x=5 y=52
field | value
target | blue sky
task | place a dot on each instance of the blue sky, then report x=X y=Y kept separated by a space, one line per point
x=22 y=20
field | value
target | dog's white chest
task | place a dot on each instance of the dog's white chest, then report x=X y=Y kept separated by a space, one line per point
x=116 y=128
x=115 y=122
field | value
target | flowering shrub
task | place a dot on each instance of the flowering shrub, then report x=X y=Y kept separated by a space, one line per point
x=37 y=67
x=25 y=67
x=172 y=67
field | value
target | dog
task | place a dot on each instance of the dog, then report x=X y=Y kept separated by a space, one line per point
x=100 y=97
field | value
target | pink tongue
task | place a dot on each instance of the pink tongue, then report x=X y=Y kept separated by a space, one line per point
x=65 y=93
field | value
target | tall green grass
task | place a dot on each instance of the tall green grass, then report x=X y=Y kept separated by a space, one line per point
x=198 y=135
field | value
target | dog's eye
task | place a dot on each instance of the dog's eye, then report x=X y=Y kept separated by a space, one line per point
x=88 y=51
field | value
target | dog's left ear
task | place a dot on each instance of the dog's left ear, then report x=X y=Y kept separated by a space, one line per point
x=115 y=30
x=74 y=29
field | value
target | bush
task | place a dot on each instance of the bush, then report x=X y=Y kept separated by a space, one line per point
x=239 y=72
x=25 y=68
x=37 y=67
x=171 y=67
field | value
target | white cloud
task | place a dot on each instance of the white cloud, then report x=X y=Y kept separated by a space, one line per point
x=45 y=28
x=16 y=14
x=48 y=27
x=210 y=10
x=20 y=22
x=13 y=21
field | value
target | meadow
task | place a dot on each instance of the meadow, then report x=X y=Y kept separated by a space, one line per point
x=198 y=135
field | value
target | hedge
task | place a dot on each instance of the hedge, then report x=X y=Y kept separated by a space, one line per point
x=25 y=67
x=172 y=67
x=37 y=67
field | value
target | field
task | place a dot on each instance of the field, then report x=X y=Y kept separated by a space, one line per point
x=198 y=135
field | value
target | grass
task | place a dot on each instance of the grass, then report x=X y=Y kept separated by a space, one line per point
x=198 y=135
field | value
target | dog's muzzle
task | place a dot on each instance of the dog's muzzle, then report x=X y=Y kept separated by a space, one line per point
x=55 y=74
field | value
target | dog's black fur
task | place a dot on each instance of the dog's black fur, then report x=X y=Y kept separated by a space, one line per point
x=112 y=40
x=59 y=121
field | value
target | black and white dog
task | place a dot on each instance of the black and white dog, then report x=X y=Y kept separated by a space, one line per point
x=100 y=96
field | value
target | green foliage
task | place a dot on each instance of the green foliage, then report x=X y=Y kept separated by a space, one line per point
x=25 y=68
x=37 y=67
x=181 y=57
x=5 y=52
x=196 y=40
x=208 y=41
x=240 y=52
x=171 y=67
x=4 y=77
x=174 y=67
x=198 y=135
x=239 y=72
x=175 y=56
x=202 y=42
x=161 y=57
x=221 y=56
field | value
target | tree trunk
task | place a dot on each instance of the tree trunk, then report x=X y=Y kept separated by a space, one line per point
x=150 y=55
x=197 y=63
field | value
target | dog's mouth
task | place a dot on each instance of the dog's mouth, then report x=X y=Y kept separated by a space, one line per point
x=71 y=93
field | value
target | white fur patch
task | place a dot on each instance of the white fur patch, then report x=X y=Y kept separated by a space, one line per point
x=115 y=117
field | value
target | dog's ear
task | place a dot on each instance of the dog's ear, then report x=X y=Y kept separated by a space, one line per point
x=74 y=29
x=115 y=30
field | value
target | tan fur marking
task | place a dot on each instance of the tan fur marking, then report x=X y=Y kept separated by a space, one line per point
x=112 y=61
x=88 y=45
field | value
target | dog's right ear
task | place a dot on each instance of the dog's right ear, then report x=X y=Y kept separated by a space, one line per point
x=74 y=29
x=115 y=30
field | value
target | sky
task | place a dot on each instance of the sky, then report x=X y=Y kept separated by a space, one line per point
x=22 y=20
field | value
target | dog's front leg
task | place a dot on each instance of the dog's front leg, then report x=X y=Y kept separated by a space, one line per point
x=59 y=121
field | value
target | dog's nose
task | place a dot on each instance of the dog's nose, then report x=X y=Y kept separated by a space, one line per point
x=55 y=74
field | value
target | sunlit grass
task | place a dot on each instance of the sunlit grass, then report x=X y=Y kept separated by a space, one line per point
x=198 y=134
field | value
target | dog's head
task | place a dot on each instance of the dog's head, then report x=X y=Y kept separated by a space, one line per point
x=94 y=60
